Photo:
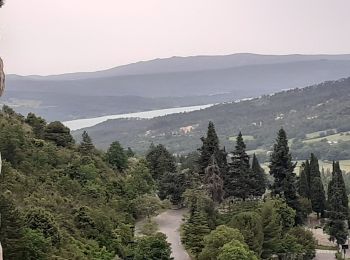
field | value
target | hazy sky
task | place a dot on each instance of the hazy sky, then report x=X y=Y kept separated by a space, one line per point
x=50 y=36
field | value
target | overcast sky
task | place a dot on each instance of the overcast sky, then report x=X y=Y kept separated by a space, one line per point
x=50 y=36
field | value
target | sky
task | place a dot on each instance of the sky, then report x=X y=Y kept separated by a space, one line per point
x=51 y=37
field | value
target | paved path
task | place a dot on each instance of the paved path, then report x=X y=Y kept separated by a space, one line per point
x=324 y=255
x=169 y=223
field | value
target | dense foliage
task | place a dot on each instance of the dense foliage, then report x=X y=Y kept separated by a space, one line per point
x=64 y=201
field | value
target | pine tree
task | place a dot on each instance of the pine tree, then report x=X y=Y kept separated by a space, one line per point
x=272 y=229
x=257 y=178
x=86 y=145
x=195 y=229
x=236 y=181
x=116 y=156
x=282 y=169
x=338 y=206
x=210 y=147
x=213 y=182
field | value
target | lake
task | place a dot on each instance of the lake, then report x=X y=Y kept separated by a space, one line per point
x=88 y=122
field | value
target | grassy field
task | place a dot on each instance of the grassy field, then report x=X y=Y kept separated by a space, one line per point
x=245 y=138
x=345 y=137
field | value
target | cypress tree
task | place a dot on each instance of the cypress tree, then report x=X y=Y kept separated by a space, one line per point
x=86 y=145
x=236 y=181
x=282 y=169
x=338 y=206
x=317 y=193
x=257 y=178
x=304 y=189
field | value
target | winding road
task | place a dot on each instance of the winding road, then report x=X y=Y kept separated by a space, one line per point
x=169 y=223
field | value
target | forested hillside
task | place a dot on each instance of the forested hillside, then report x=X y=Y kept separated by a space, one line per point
x=61 y=200
x=316 y=117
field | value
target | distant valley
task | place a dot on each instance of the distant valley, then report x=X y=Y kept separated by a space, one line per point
x=317 y=119
x=165 y=83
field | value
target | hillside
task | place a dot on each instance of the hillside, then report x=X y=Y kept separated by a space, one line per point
x=169 y=82
x=302 y=112
x=61 y=200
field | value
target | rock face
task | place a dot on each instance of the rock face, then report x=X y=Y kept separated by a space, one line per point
x=2 y=77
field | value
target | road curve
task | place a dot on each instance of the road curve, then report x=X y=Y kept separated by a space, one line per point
x=169 y=223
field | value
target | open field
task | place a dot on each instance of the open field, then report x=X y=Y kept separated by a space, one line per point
x=345 y=137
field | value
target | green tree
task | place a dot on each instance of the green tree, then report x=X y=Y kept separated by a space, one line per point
x=210 y=147
x=11 y=231
x=147 y=205
x=41 y=220
x=38 y=125
x=317 y=193
x=139 y=181
x=306 y=239
x=213 y=182
x=116 y=156
x=272 y=229
x=36 y=245
x=338 y=207
x=236 y=250
x=237 y=181
x=217 y=239
x=160 y=161
x=282 y=169
x=250 y=225
x=303 y=185
x=195 y=228
x=152 y=247
x=59 y=134
x=287 y=214
x=173 y=185
x=86 y=146
x=257 y=179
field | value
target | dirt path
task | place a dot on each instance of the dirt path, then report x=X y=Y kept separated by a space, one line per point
x=169 y=223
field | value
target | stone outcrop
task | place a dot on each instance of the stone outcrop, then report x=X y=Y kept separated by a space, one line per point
x=2 y=77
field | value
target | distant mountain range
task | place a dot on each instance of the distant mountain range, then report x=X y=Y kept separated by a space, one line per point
x=161 y=83
x=310 y=115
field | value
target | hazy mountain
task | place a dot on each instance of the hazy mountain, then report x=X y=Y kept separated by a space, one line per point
x=324 y=107
x=169 y=82
x=193 y=63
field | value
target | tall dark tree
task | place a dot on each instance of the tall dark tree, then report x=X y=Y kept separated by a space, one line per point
x=317 y=193
x=160 y=161
x=257 y=178
x=236 y=181
x=86 y=145
x=337 y=206
x=282 y=169
x=213 y=182
x=210 y=147
x=303 y=185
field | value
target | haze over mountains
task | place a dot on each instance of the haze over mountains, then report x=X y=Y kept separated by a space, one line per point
x=171 y=82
